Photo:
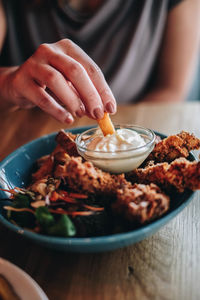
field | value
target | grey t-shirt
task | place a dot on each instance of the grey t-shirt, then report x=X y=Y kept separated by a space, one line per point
x=123 y=37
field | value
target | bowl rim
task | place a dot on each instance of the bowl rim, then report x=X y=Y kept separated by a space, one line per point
x=91 y=244
x=131 y=126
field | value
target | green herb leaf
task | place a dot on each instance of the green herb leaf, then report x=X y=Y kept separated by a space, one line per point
x=44 y=217
x=21 y=201
x=63 y=227
x=24 y=219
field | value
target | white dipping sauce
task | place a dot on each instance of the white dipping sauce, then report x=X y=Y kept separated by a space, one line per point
x=118 y=152
x=122 y=139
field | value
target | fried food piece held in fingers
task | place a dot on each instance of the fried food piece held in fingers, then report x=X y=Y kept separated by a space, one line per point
x=141 y=203
x=180 y=174
x=173 y=147
x=106 y=125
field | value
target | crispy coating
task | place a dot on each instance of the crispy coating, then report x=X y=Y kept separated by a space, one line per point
x=180 y=174
x=173 y=147
x=67 y=141
x=45 y=168
x=48 y=164
x=138 y=203
x=83 y=176
x=141 y=203
x=135 y=195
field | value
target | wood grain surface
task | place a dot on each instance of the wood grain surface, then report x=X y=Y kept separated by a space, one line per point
x=165 y=266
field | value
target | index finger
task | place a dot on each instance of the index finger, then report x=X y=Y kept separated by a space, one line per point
x=94 y=73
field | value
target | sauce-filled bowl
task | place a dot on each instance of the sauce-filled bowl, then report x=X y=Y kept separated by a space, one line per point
x=121 y=152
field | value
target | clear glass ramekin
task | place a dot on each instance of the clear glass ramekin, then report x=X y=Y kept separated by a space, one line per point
x=120 y=161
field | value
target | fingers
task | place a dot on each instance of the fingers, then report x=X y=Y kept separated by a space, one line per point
x=61 y=89
x=41 y=98
x=75 y=72
x=65 y=82
x=93 y=72
x=86 y=77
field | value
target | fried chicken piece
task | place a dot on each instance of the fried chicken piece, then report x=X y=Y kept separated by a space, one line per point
x=67 y=141
x=180 y=174
x=173 y=147
x=83 y=176
x=141 y=203
x=48 y=164
x=40 y=161
x=45 y=169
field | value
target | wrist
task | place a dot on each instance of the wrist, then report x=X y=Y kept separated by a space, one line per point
x=6 y=90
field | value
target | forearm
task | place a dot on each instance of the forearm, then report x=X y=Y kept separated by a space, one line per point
x=163 y=95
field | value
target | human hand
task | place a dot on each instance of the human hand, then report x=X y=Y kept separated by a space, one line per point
x=63 y=81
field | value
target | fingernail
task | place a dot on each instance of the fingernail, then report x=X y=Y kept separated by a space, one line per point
x=69 y=119
x=110 y=108
x=80 y=112
x=98 y=113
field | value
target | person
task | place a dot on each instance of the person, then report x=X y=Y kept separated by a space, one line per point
x=79 y=57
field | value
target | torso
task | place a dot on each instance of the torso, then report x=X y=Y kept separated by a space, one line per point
x=83 y=5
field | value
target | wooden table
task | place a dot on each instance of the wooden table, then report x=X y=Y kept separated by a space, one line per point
x=164 y=266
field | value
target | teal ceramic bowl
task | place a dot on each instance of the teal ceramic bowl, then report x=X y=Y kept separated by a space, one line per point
x=15 y=170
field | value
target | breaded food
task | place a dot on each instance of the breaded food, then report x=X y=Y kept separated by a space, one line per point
x=180 y=174
x=49 y=165
x=83 y=176
x=67 y=141
x=141 y=203
x=45 y=168
x=173 y=147
x=139 y=196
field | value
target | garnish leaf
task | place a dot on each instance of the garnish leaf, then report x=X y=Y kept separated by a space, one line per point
x=24 y=219
x=44 y=217
x=21 y=200
x=61 y=226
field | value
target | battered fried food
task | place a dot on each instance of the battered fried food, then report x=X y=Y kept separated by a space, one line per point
x=138 y=203
x=45 y=168
x=141 y=203
x=83 y=176
x=48 y=165
x=67 y=141
x=180 y=174
x=135 y=195
x=173 y=147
